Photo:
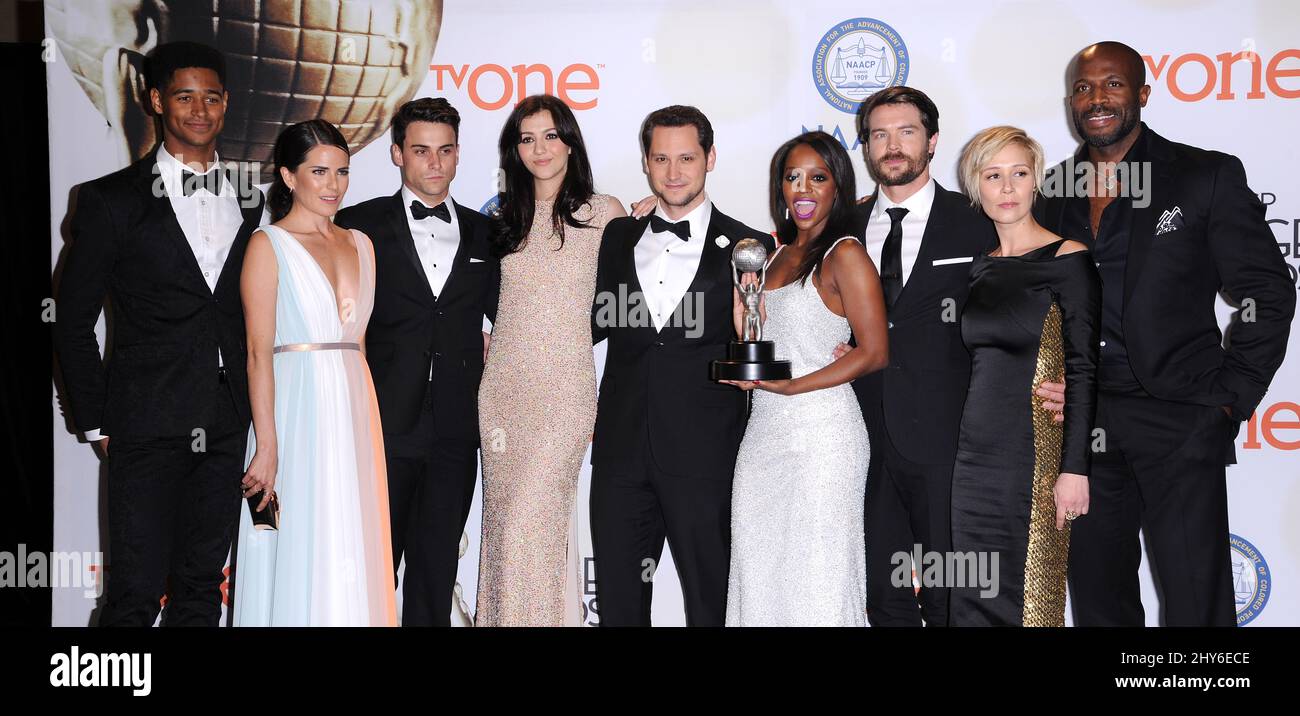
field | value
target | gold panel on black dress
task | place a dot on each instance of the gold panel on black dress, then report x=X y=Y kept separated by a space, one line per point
x=1049 y=548
x=1028 y=319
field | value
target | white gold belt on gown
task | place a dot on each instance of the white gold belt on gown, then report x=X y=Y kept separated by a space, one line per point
x=317 y=347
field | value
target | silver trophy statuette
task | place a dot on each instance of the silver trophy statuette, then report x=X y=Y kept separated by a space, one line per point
x=751 y=357
x=750 y=256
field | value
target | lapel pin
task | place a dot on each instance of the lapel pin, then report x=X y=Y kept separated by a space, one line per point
x=722 y=242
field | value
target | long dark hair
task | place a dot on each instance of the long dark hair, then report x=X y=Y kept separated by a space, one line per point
x=291 y=149
x=516 y=201
x=840 y=221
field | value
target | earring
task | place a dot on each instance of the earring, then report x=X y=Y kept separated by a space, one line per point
x=787 y=213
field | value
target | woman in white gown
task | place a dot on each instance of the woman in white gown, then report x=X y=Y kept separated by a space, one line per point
x=797 y=550
x=316 y=442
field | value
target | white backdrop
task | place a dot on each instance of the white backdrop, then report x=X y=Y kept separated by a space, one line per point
x=750 y=66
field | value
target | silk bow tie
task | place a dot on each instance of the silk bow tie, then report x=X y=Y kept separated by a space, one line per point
x=681 y=228
x=191 y=182
x=422 y=212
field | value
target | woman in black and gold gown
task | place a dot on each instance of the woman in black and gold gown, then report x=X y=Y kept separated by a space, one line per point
x=1020 y=475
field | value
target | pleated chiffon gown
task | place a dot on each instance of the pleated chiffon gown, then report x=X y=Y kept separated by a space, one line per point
x=330 y=563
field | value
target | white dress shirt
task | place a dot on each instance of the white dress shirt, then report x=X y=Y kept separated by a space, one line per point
x=209 y=221
x=666 y=265
x=918 y=214
x=436 y=241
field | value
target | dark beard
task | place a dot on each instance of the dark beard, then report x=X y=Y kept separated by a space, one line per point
x=910 y=173
x=685 y=202
x=1128 y=119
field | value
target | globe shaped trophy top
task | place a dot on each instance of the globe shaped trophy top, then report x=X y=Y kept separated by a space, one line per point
x=749 y=255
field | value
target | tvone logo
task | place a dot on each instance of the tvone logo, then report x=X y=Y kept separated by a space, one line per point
x=1274 y=424
x=1191 y=77
x=492 y=87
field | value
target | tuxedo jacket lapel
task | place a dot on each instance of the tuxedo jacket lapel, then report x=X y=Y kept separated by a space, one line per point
x=467 y=238
x=1142 y=226
x=935 y=228
x=160 y=206
x=935 y=242
x=235 y=259
x=714 y=260
x=627 y=258
x=713 y=257
x=402 y=235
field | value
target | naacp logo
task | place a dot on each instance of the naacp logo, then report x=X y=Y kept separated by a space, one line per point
x=857 y=58
x=1251 y=581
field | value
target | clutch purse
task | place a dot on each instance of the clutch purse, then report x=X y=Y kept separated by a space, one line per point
x=269 y=517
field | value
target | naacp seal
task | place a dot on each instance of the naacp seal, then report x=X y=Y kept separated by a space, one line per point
x=1251 y=581
x=857 y=58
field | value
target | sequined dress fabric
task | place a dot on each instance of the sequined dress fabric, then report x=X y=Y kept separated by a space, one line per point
x=537 y=409
x=797 y=552
x=1028 y=319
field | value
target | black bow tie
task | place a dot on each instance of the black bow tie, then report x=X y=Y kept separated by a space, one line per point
x=422 y=212
x=681 y=228
x=191 y=182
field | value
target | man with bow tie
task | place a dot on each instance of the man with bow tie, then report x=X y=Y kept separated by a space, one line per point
x=435 y=281
x=164 y=240
x=666 y=436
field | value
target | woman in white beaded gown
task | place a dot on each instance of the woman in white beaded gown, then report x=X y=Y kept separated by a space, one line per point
x=797 y=552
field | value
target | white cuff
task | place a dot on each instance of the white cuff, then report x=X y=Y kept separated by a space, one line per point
x=94 y=435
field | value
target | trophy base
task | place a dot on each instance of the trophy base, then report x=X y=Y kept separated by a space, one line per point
x=750 y=360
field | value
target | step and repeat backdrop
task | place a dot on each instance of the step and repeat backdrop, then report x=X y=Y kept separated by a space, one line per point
x=1224 y=75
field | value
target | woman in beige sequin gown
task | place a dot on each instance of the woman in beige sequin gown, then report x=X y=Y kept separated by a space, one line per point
x=537 y=402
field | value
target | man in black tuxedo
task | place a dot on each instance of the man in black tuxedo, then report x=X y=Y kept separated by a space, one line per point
x=923 y=239
x=435 y=280
x=666 y=437
x=164 y=239
x=1171 y=397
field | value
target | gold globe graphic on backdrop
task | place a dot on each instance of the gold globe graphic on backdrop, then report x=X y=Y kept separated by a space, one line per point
x=349 y=62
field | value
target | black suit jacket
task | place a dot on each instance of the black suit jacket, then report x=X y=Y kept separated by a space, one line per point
x=159 y=378
x=658 y=382
x=411 y=331
x=1171 y=280
x=916 y=401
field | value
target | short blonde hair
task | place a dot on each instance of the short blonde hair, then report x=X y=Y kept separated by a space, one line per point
x=985 y=145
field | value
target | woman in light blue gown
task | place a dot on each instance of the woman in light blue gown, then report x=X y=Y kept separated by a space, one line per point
x=316 y=442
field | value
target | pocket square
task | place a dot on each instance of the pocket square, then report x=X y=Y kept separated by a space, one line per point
x=1170 y=220
x=475 y=261
x=954 y=260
